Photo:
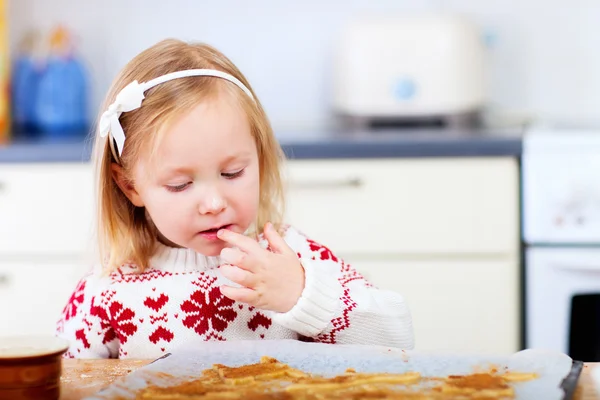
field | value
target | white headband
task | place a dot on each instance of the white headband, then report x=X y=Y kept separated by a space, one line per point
x=131 y=96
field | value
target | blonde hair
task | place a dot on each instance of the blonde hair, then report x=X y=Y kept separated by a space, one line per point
x=125 y=232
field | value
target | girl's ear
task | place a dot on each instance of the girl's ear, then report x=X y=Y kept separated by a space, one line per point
x=126 y=185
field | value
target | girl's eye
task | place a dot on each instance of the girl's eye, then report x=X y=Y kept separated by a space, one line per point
x=177 y=188
x=233 y=175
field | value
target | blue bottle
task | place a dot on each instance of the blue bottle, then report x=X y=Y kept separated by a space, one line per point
x=26 y=72
x=61 y=98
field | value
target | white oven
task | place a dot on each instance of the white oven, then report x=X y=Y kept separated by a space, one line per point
x=563 y=289
x=561 y=231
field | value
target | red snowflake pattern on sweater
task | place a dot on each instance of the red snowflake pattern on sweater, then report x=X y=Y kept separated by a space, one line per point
x=122 y=320
x=323 y=252
x=106 y=329
x=208 y=310
x=74 y=301
x=80 y=335
x=119 y=324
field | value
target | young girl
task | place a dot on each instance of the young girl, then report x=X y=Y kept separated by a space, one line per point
x=190 y=199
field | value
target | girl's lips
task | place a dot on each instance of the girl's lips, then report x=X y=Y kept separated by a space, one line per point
x=211 y=234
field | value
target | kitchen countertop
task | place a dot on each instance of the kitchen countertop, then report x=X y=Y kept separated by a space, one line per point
x=316 y=145
x=85 y=377
x=405 y=144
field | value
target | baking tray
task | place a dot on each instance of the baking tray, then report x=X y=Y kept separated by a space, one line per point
x=558 y=379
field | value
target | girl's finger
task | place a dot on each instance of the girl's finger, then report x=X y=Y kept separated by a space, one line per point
x=238 y=258
x=276 y=242
x=242 y=295
x=238 y=275
x=244 y=243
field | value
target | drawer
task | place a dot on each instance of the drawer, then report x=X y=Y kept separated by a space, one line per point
x=37 y=291
x=446 y=296
x=45 y=208
x=409 y=206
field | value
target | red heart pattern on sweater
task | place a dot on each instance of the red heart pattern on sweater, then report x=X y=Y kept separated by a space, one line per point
x=158 y=303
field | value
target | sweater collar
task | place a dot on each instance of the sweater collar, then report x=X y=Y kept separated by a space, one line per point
x=182 y=260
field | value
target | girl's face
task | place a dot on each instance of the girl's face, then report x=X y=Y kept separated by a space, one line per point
x=205 y=176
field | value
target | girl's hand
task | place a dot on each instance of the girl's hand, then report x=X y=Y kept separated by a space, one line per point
x=271 y=280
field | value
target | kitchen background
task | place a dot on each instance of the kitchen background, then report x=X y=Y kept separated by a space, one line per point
x=542 y=55
x=488 y=229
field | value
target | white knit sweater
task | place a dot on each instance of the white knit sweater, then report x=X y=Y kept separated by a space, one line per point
x=177 y=302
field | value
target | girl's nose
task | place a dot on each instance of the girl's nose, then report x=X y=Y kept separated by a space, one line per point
x=212 y=203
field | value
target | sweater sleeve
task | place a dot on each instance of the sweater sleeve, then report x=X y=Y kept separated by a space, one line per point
x=85 y=324
x=339 y=306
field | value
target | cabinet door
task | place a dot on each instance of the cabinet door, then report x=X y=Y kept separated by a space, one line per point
x=46 y=209
x=33 y=294
x=407 y=206
x=458 y=305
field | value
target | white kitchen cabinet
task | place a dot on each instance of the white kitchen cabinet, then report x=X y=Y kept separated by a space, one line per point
x=46 y=220
x=403 y=206
x=443 y=232
x=45 y=209
x=458 y=305
x=33 y=293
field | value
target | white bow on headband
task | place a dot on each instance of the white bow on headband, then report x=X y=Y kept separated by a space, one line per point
x=131 y=96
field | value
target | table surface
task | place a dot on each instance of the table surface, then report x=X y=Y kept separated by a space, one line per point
x=83 y=378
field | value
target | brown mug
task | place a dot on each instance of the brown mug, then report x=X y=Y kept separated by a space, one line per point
x=30 y=367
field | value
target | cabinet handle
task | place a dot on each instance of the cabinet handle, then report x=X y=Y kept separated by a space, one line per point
x=328 y=184
x=579 y=267
x=4 y=280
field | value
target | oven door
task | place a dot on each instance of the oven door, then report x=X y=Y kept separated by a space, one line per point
x=563 y=301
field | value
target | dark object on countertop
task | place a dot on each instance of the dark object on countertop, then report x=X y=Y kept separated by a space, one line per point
x=569 y=384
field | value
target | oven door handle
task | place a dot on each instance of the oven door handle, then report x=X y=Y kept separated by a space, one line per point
x=578 y=266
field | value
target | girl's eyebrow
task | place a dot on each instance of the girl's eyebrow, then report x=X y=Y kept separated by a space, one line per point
x=179 y=170
x=234 y=157
x=173 y=170
x=176 y=169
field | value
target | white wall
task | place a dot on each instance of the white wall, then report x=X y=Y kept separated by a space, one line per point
x=545 y=57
